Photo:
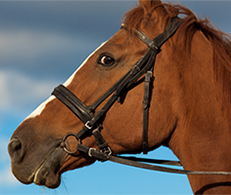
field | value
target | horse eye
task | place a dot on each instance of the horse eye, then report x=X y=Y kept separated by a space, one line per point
x=106 y=60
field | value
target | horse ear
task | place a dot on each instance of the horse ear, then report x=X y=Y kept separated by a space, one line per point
x=149 y=4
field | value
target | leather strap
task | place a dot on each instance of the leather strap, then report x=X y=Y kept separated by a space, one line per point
x=146 y=105
x=125 y=161
x=73 y=103
x=143 y=37
x=154 y=45
x=85 y=115
x=136 y=162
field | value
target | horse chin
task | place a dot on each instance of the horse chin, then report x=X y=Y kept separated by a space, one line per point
x=48 y=174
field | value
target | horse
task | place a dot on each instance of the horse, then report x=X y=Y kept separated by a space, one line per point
x=186 y=102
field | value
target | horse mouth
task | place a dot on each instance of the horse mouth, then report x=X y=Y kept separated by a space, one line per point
x=48 y=173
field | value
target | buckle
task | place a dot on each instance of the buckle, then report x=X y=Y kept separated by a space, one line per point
x=88 y=125
x=106 y=150
x=90 y=151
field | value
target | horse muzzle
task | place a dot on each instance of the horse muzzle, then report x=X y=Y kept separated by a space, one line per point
x=38 y=166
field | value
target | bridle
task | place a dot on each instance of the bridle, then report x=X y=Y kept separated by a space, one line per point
x=93 y=123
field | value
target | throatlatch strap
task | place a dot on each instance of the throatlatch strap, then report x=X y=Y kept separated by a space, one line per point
x=146 y=102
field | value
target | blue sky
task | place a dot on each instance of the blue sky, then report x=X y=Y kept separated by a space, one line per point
x=41 y=45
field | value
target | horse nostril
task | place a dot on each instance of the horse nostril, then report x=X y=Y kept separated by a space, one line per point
x=15 y=150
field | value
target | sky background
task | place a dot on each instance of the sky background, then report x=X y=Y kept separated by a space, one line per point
x=41 y=45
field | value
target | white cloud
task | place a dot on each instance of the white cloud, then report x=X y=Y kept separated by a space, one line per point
x=30 y=44
x=19 y=92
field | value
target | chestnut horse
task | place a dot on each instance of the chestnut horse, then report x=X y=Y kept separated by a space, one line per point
x=189 y=103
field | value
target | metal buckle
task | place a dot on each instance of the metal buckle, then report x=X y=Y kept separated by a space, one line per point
x=107 y=151
x=87 y=124
x=90 y=151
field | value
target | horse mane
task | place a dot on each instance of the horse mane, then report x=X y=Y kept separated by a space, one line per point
x=220 y=41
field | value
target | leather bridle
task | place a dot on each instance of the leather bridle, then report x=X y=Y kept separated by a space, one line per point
x=93 y=123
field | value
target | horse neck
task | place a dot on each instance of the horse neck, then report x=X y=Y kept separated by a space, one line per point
x=201 y=139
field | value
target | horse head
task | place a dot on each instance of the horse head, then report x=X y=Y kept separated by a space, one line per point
x=180 y=116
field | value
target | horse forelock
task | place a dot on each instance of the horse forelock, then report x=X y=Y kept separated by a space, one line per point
x=134 y=17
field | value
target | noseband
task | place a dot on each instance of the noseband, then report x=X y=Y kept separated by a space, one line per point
x=93 y=123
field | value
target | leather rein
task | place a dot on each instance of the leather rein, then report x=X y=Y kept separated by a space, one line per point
x=93 y=122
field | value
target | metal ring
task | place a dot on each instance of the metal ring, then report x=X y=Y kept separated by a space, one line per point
x=64 y=143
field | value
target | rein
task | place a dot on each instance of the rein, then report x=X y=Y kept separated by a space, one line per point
x=93 y=122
